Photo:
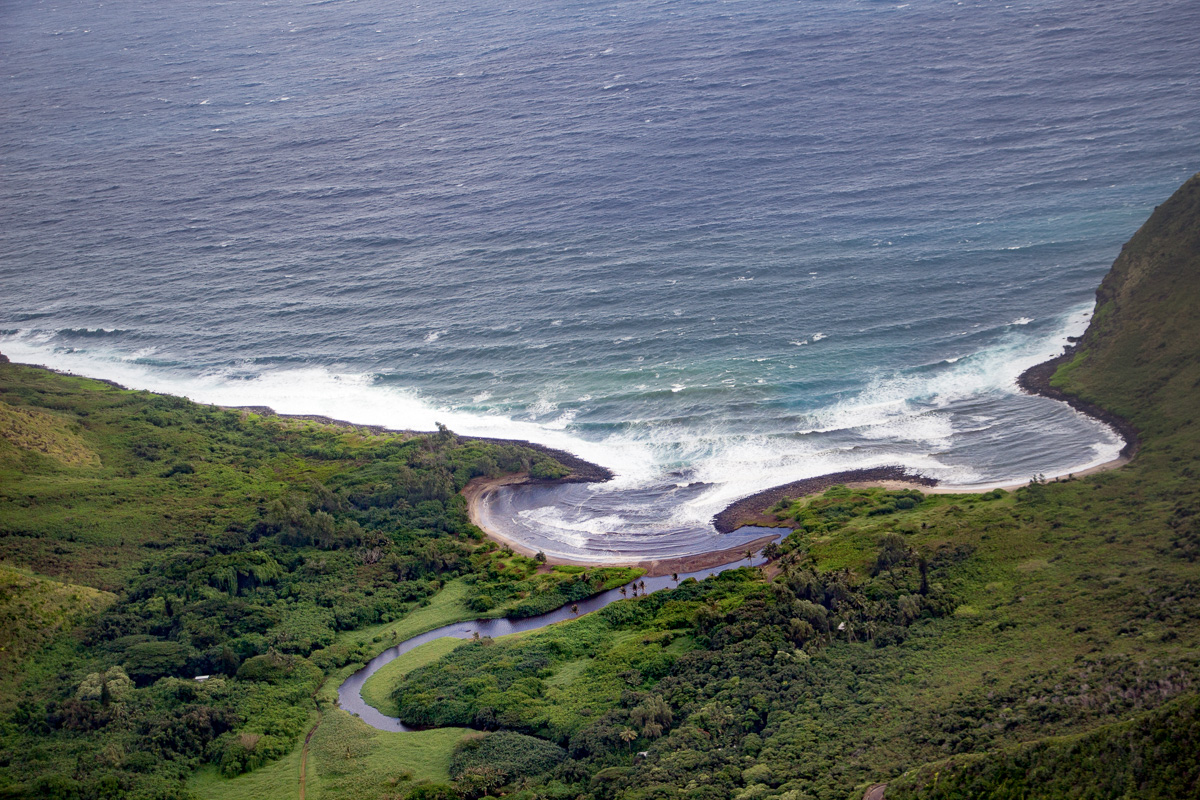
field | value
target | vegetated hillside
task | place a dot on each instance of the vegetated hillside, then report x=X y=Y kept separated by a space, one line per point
x=147 y=540
x=1155 y=756
x=1000 y=639
x=896 y=629
x=1139 y=357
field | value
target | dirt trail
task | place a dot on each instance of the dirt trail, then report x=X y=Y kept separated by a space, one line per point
x=304 y=750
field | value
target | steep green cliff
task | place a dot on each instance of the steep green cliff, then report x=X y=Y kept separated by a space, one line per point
x=1140 y=357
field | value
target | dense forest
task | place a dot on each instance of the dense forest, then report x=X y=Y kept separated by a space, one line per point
x=1038 y=643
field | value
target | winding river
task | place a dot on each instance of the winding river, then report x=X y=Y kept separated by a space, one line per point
x=350 y=692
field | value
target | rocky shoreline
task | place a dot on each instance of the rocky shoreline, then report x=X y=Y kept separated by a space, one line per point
x=1036 y=380
x=750 y=510
x=581 y=471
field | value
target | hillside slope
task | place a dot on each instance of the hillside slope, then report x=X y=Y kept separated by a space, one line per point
x=1014 y=634
x=1139 y=356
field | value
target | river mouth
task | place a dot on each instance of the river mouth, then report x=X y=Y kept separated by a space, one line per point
x=596 y=523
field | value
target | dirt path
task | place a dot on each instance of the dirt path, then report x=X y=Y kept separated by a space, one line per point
x=304 y=750
x=875 y=792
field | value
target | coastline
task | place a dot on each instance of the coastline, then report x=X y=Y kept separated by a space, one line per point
x=1036 y=380
x=581 y=471
x=750 y=510
x=479 y=488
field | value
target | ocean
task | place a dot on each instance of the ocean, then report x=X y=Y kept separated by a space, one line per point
x=714 y=246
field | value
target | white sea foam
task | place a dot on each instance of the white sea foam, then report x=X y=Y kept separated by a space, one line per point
x=563 y=420
x=314 y=390
x=904 y=418
x=554 y=517
x=433 y=336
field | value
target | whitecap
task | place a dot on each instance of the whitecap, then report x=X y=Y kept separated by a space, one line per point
x=563 y=421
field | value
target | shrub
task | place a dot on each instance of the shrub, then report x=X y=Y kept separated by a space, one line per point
x=548 y=470
x=513 y=755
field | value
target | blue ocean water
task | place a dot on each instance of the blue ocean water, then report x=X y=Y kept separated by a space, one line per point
x=715 y=246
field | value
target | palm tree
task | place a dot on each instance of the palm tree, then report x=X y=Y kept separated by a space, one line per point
x=770 y=551
x=628 y=735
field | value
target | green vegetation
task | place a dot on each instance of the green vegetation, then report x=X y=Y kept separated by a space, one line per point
x=519 y=587
x=1155 y=757
x=33 y=609
x=149 y=540
x=1039 y=643
x=1044 y=640
x=351 y=759
x=490 y=761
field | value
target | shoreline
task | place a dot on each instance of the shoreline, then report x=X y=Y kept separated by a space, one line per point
x=478 y=490
x=581 y=471
x=1036 y=381
x=750 y=510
